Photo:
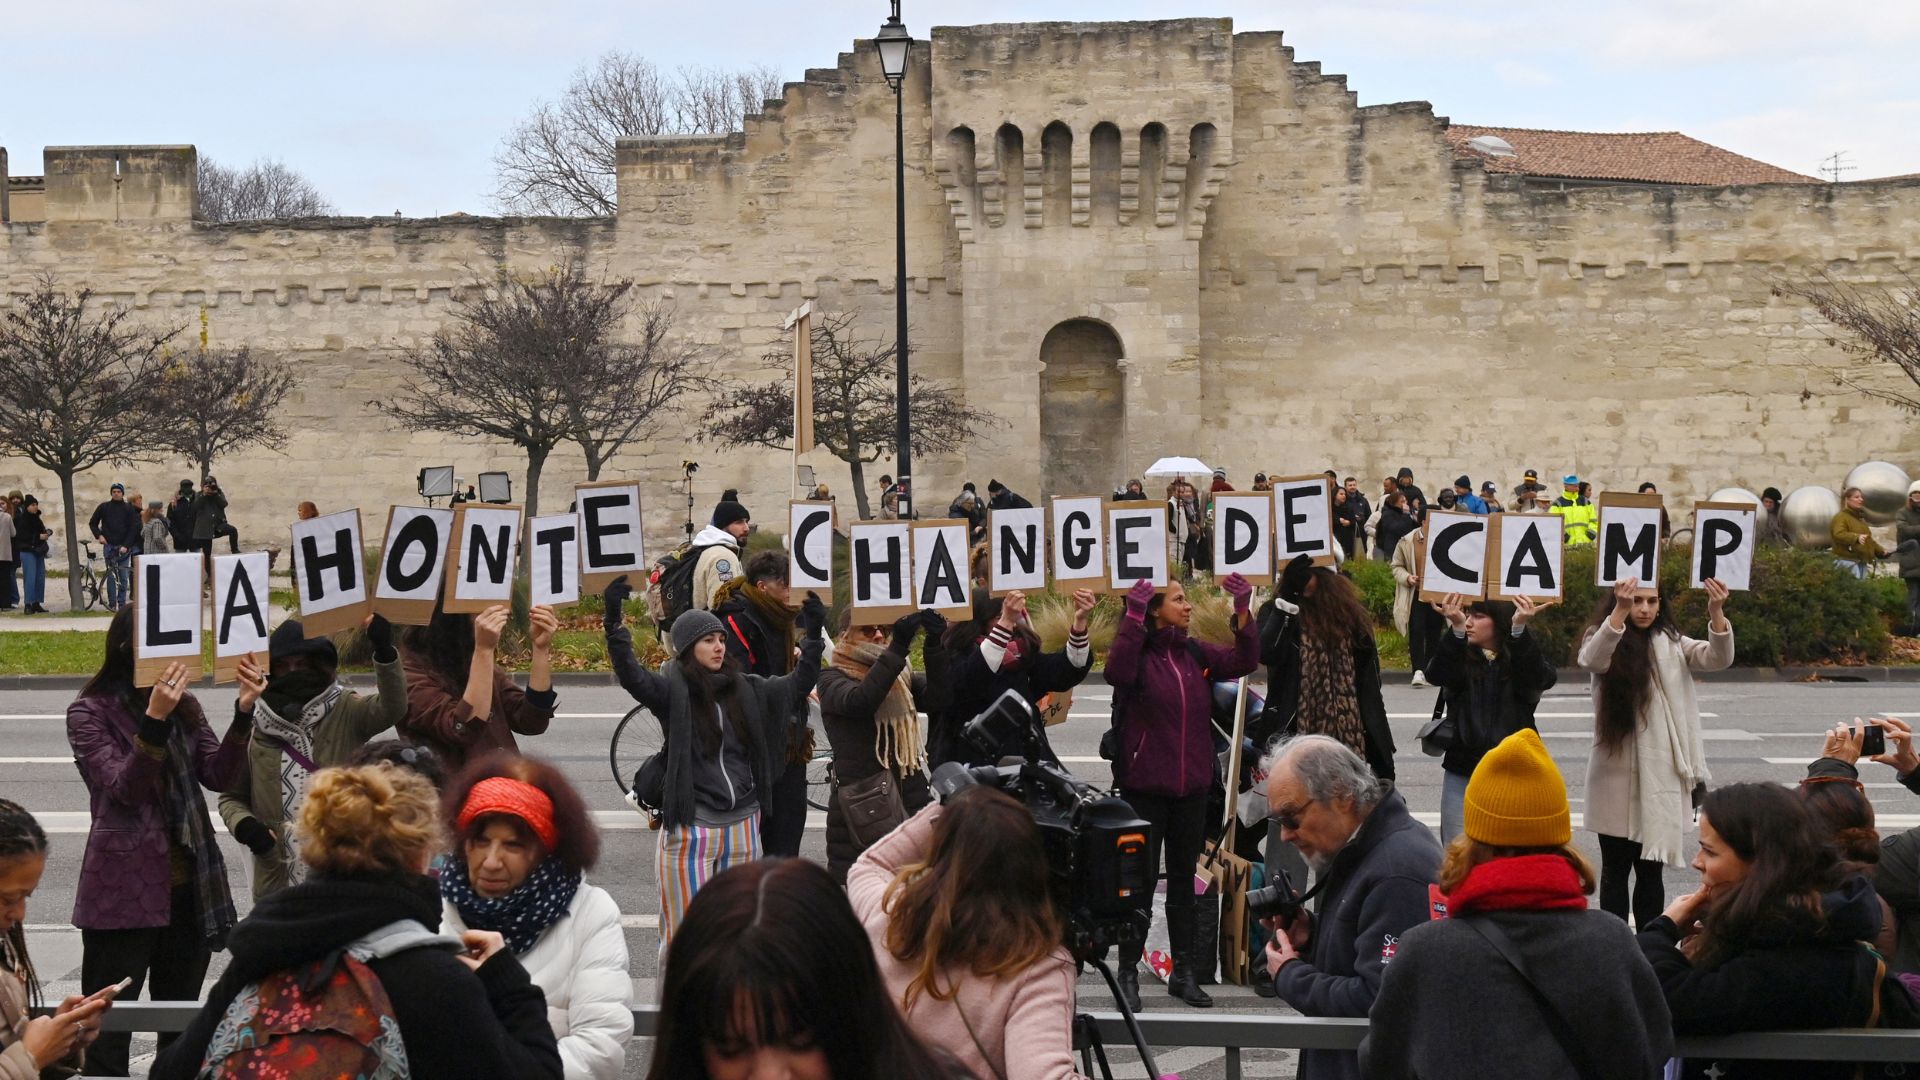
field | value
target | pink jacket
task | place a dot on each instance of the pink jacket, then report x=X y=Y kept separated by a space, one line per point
x=1024 y=1023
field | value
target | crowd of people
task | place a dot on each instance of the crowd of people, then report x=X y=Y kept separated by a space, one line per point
x=421 y=904
x=124 y=526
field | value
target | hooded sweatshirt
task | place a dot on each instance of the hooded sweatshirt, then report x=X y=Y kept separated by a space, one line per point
x=719 y=564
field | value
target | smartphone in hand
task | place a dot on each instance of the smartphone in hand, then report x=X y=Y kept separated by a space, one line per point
x=109 y=993
x=1873 y=741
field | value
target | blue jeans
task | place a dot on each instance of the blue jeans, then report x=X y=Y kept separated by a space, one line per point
x=33 y=572
x=119 y=576
x=1857 y=569
x=1453 y=805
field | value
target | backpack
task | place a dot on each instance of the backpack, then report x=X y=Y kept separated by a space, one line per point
x=1110 y=744
x=327 y=1017
x=670 y=587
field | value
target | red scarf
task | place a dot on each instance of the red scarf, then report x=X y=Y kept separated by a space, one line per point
x=1521 y=883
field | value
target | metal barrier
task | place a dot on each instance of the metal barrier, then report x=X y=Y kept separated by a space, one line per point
x=1237 y=1032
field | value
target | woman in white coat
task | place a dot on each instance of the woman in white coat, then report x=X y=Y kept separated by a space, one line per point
x=523 y=841
x=1648 y=768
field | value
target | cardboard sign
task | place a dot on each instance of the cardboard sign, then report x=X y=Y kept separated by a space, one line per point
x=554 y=552
x=1524 y=556
x=608 y=515
x=1723 y=539
x=940 y=568
x=240 y=592
x=809 y=550
x=1629 y=544
x=1017 y=550
x=413 y=560
x=1079 y=541
x=881 y=564
x=1136 y=544
x=1455 y=555
x=480 y=566
x=166 y=615
x=1243 y=536
x=1303 y=520
x=331 y=587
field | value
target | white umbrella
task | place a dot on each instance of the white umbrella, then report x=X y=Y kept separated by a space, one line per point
x=1179 y=466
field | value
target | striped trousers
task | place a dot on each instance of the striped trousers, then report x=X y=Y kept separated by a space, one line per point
x=687 y=857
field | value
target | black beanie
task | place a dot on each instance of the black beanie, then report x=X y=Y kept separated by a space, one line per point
x=1772 y=493
x=995 y=485
x=290 y=639
x=1464 y=482
x=727 y=511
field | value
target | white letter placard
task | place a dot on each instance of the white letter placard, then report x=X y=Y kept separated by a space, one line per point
x=809 y=550
x=609 y=534
x=1079 y=542
x=553 y=560
x=240 y=593
x=1136 y=544
x=882 y=571
x=1524 y=555
x=413 y=560
x=486 y=545
x=940 y=568
x=1723 y=537
x=1243 y=535
x=1629 y=544
x=166 y=615
x=1455 y=555
x=332 y=587
x=1017 y=550
x=1303 y=519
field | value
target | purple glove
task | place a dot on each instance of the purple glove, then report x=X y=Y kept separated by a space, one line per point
x=1241 y=591
x=1137 y=598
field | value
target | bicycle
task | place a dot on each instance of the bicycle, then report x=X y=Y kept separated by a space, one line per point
x=91 y=585
x=640 y=735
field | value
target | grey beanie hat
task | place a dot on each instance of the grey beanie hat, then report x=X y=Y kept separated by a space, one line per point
x=692 y=625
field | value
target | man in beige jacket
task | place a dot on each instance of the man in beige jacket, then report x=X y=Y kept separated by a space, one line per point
x=719 y=545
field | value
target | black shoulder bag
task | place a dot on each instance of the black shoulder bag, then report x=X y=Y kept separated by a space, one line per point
x=1438 y=735
x=1563 y=1032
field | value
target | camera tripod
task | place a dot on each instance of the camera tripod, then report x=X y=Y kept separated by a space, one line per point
x=1086 y=1037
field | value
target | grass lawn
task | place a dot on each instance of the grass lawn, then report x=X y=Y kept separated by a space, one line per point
x=52 y=652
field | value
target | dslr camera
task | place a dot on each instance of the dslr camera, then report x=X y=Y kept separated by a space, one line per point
x=1096 y=845
x=1278 y=901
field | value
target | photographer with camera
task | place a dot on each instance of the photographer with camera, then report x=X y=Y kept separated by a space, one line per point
x=968 y=936
x=1372 y=865
x=1164 y=761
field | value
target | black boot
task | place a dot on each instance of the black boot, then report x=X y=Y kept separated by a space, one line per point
x=1181 y=984
x=1129 y=979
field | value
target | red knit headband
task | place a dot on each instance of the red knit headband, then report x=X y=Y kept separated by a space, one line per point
x=516 y=798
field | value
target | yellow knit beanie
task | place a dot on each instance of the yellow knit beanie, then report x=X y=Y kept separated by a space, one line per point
x=1517 y=797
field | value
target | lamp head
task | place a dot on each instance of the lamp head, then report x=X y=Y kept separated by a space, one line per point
x=893 y=43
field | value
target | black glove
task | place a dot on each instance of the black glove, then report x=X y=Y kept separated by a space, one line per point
x=905 y=629
x=813 y=616
x=1293 y=580
x=257 y=837
x=380 y=636
x=614 y=598
x=934 y=623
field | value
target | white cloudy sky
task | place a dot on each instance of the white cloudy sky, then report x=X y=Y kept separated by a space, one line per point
x=398 y=104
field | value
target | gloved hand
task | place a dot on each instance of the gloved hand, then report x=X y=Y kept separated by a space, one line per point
x=1137 y=598
x=380 y=636
x=905 y=629
x=933 y=623
x=1699 y=794
x=1293 y=580
x=1242 y=592
x=813 y=616
x=614 y=597
x=257 y=837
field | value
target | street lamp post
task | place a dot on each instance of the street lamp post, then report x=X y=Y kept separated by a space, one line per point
x=894 y=43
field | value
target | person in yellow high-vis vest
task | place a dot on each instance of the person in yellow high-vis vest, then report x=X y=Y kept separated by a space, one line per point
x=1581 y=518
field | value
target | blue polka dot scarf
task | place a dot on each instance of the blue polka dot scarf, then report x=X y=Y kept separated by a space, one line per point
x=522 y=915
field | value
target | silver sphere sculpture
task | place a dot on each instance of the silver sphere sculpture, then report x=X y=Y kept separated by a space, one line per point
x=1808 y=514
x=1736 y=495
x=1884 y=485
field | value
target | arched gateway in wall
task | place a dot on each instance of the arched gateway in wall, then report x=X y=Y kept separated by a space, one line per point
x=1082 y=409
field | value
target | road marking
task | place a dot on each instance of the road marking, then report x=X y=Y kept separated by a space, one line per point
x=68 y=760
x=1586 y=714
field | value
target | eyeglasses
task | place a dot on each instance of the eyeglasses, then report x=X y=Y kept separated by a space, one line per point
x=1288 y=817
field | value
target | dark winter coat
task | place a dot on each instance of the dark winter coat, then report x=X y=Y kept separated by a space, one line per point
x=1165 y=698
x=847 y=707
x=439 y=716
x=1489 y=701
x=1376 y=890
x=454 y=1023
x=1906 y=526
x=1896 y=877
x=1280 y=652
x=116 y=524
x=1349 y=524
x=126 y=874
x=1008 y=500
x=765 y=707
x=209 y=514
x=30 y=533
x=1394 y=525
x=1416 y=499
x=1791 y=977
x=180 y=522
x=965 y=687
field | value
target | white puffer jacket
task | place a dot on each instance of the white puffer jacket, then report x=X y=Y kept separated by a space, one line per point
x=581 y=964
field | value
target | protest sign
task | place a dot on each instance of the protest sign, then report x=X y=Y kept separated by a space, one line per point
x=1243 y=536
x=880 y=565
x=1629 y=541
x=330 y=585
x=1136 y=544
x=166 y=615
x=1723 y=540
x=554 y=552
x=1016 y=550
x=809 y=550
x=940 y=568
x=1303 y=520
x=413 y=559
x=608 y=536
x=1455 y=556
x=483 y=558
x=1524 y=556
x=1079 y=541
x=240 y=597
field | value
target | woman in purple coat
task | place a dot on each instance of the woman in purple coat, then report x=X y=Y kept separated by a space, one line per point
x=153 y=888
x=1163 y=701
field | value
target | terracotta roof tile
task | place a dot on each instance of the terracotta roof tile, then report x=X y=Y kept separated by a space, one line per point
x=1654 y=157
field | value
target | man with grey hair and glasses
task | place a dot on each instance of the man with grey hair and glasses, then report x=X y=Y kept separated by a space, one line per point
x=1373 y=866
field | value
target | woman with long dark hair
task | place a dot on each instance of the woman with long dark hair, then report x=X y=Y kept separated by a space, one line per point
x=152 y=897
x=996 y=651
x=459 y=701
x=1323 y=668
x=869 y=697
x=1491 y=674
x=1773 y=938
x=1648 y=767
x=44 y=1046
x=965 y=926
x=725 y=742
x=771 y=975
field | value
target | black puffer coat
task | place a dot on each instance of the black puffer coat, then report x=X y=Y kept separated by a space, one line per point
x=847 y=707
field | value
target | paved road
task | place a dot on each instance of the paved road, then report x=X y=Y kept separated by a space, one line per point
x=1754 y=732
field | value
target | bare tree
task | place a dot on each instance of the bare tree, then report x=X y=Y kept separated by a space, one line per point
x=212 y=402
x=264 y=190
x=853 y=404
x=74 y=391
x=1879 y=327
x=560 y=159
x=623 y=394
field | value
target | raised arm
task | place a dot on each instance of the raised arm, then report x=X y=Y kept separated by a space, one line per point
x=646 y=687
x=1129 y=641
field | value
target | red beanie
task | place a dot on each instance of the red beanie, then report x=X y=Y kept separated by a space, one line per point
x=515 y=798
